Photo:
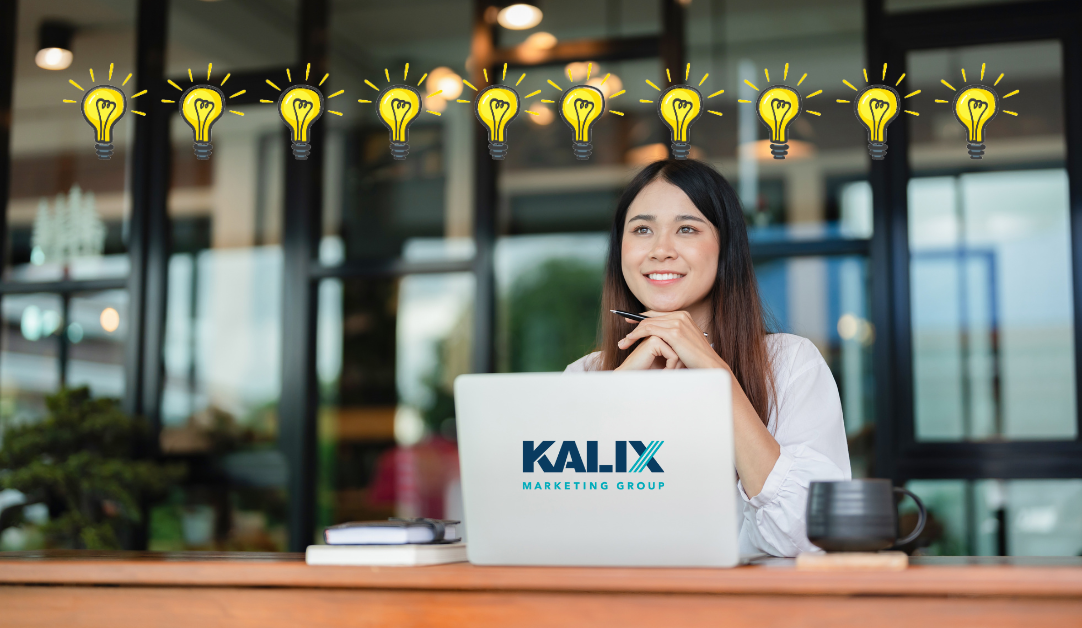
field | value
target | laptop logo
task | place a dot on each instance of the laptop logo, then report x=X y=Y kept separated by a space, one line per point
x=569 y=457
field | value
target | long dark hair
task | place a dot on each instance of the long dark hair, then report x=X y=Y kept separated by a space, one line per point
x=738 y=326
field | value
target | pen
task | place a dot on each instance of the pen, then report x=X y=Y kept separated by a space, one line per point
x=637 y=317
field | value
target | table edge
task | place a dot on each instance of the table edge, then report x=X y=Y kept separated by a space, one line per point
x=938 y=581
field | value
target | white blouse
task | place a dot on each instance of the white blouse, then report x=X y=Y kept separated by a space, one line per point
x=807 y=423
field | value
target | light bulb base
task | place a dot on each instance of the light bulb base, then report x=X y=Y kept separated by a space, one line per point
x=498 y=150
x=976 y=150
x=104 y=150
x=877 y=150
x=203 y=150
x=399 y=150
x=582 y=150
x=681 y=150
x=301 y=150
x=779 y=151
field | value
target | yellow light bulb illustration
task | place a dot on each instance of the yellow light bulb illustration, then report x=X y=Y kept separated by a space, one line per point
x=497 y=106
x=975 y=106
x=777 y=107
x=200 y=107
x=876 y=106
x=103 y=106
x=580 y=106
x=299 y=107
x=398 y=107
x=679 y=107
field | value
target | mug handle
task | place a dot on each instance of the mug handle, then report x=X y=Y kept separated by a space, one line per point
x=922 y=516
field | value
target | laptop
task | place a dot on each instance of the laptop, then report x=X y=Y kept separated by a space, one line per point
x=598 y=469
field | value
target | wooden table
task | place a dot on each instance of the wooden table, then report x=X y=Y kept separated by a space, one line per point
x=118 y=590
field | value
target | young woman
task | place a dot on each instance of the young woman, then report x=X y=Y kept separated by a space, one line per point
x=678 y=253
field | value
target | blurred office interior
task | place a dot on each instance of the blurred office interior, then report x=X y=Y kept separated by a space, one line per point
x=292 y=330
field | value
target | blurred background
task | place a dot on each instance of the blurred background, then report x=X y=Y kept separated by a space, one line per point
x=291 y=330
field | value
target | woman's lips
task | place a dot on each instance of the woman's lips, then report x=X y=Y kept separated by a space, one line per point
x=663 y=279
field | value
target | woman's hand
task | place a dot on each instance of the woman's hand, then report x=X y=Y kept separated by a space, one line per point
x=675 y=337
x=651 y=353
x=680 y=334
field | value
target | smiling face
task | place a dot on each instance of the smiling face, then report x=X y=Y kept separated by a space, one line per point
x=669 y=253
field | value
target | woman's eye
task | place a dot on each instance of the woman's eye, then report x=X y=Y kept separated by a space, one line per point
x=641 y=229
x=686 y=229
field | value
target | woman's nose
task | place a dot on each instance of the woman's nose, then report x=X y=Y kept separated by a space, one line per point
x=662 y=249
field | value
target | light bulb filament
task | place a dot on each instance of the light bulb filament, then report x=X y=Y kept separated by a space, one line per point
x=105 y=109
x=203 y=110
x=400 y=108
x=777 y=105
x=300 y=106
x=503 y=106
x=583 y=109
x=882 y=107
x=681 y=110
x=976 y=106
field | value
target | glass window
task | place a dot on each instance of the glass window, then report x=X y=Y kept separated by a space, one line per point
x=996 y=517
x=222 y=349
x=29 y=353
x=231 y=35
x=97 y=329
x=905 y=6
x=67 y=209
x=800 y=197
x=826 y=300
x=1031 y=86
x=49 y=341
x=388 y=351
x=549 y=299
x=990 y=266
x=376 y=206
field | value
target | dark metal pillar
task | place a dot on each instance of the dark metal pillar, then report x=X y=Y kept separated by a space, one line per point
x=889 y=262
x=148 y=244
x=486 y=199
x=8 y=21
x=672 y=37
x=301 y=231
x=1072 y=93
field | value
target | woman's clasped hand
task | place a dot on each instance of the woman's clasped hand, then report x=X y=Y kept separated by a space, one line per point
x=670 y=340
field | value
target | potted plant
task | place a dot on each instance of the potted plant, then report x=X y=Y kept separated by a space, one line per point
x=81 y=460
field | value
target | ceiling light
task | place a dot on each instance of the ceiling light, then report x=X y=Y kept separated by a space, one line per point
x=54 y=46
x=445 y=80
x=544 y=115
x=540 y=40
x=519 y=17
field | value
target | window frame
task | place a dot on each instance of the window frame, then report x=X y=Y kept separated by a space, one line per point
x=889 y=38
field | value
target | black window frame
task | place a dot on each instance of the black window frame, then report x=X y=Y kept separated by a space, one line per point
x=889 y=38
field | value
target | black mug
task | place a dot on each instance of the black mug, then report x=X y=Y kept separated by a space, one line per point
x=857 y=516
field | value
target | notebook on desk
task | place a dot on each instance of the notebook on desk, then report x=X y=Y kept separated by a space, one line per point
x=598 y=469
x=386 y=555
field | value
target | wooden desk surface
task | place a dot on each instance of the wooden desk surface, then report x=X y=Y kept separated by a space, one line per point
x=274 y=589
